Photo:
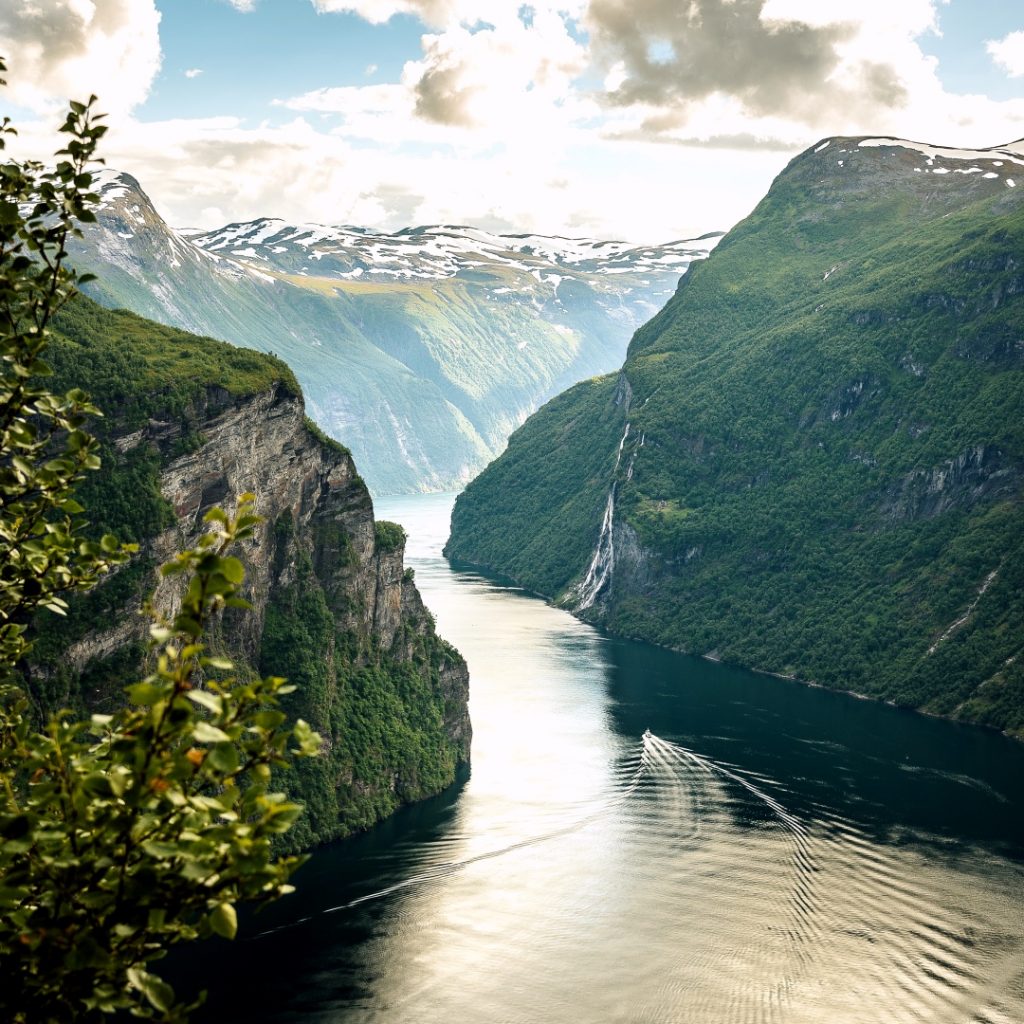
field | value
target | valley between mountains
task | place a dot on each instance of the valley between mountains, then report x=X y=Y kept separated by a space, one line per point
x=423 y=349
x=811 y=462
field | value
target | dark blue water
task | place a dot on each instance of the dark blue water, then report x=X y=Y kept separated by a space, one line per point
x=648 y=837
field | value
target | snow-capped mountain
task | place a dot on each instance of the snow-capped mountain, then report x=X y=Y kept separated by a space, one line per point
x=1008 y=157
x=421 y=350
x=433 y=253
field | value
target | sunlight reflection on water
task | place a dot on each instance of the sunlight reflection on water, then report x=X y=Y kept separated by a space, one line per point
x=767 y=853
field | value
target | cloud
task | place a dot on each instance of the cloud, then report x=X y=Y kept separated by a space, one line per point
x=1008 y=53
x=432 y=12
x=680 y=52
x=674 y=54
x=772 y=74
x=245 y=6
x=193 y=72
x=506 y=70
x=508 y=83
x=548 y=116
x=506 y=121
x=60 y=49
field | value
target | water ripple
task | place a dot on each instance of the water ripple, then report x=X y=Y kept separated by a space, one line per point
x=740 y=911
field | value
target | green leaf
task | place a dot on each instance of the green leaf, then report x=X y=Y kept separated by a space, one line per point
x=224 y=920
x=162 y=850
x=224 y=664
x=147 y=694
x=269 y=718
x=308 y=740
x=208 y=700
x=155 y=989
x=223 y=757
x=96 y=784
x=206 y=733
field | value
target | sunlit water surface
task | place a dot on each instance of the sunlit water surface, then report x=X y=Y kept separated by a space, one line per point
x=765 y=852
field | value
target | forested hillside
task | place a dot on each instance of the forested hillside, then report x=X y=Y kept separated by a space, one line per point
x=191 y=423
x=812 y=460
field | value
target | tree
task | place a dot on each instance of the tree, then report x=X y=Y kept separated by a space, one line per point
x=125 y=834
x=44 y=450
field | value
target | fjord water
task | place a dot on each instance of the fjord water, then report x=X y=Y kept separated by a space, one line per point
x=765 y=852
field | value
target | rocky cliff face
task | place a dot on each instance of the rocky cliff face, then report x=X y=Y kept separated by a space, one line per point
x=332 y=606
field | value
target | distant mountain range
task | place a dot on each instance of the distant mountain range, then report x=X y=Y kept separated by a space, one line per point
x=420 y=350
x=812 y=461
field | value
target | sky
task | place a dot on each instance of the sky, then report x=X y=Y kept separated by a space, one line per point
x=644 y=120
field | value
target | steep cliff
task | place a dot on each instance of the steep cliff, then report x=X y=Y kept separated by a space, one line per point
x=333 y=609
x=812 y=461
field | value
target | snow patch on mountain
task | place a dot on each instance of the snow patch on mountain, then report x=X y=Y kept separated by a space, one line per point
x=438 y=252
x=995 y=156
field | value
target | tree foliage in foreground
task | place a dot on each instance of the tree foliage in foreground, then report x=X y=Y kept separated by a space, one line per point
x=44 y=450
x=125 y=834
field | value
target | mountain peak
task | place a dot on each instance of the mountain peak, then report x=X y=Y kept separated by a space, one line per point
x=436 y=252
x=995 y=162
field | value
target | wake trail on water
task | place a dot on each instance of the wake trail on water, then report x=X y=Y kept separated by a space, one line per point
x=850 y=911
x=683 y=754
x=760 y=912
x=640 y=767
x=655 y=756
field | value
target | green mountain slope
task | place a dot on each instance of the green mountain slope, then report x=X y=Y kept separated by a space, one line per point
x=812 y=460
x=191 y=422
x=422 y=351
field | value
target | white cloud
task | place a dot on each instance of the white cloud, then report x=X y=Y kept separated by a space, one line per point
x=912 y=17
x=782 y=73
x=509 y=71
x=60 y=49
x=193 y=72
x=245 y=6
x=747 y=73
x=1008 y=53
x=434 y=12
x=507 y=83
x=524 y=122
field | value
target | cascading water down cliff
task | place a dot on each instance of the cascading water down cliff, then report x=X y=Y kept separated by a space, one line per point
x=598 y=576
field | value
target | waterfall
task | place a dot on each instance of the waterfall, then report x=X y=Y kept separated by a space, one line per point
x=599 y=573
x=618 y=454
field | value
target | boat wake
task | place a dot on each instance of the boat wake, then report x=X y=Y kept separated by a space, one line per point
x=739 y=908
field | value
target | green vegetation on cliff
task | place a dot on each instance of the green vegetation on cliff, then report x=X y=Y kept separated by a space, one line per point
x=384 y=709
x=136 y=370
x=822 y=469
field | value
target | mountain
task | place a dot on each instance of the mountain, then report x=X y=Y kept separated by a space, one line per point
x=812 y=460
x=190 y=423
x=422 y=350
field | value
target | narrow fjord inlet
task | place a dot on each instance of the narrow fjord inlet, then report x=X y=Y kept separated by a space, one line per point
x=650 y=837
x=511 y=512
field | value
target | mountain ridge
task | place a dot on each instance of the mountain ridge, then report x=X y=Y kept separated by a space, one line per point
x=812 y=460
x=422 y=366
